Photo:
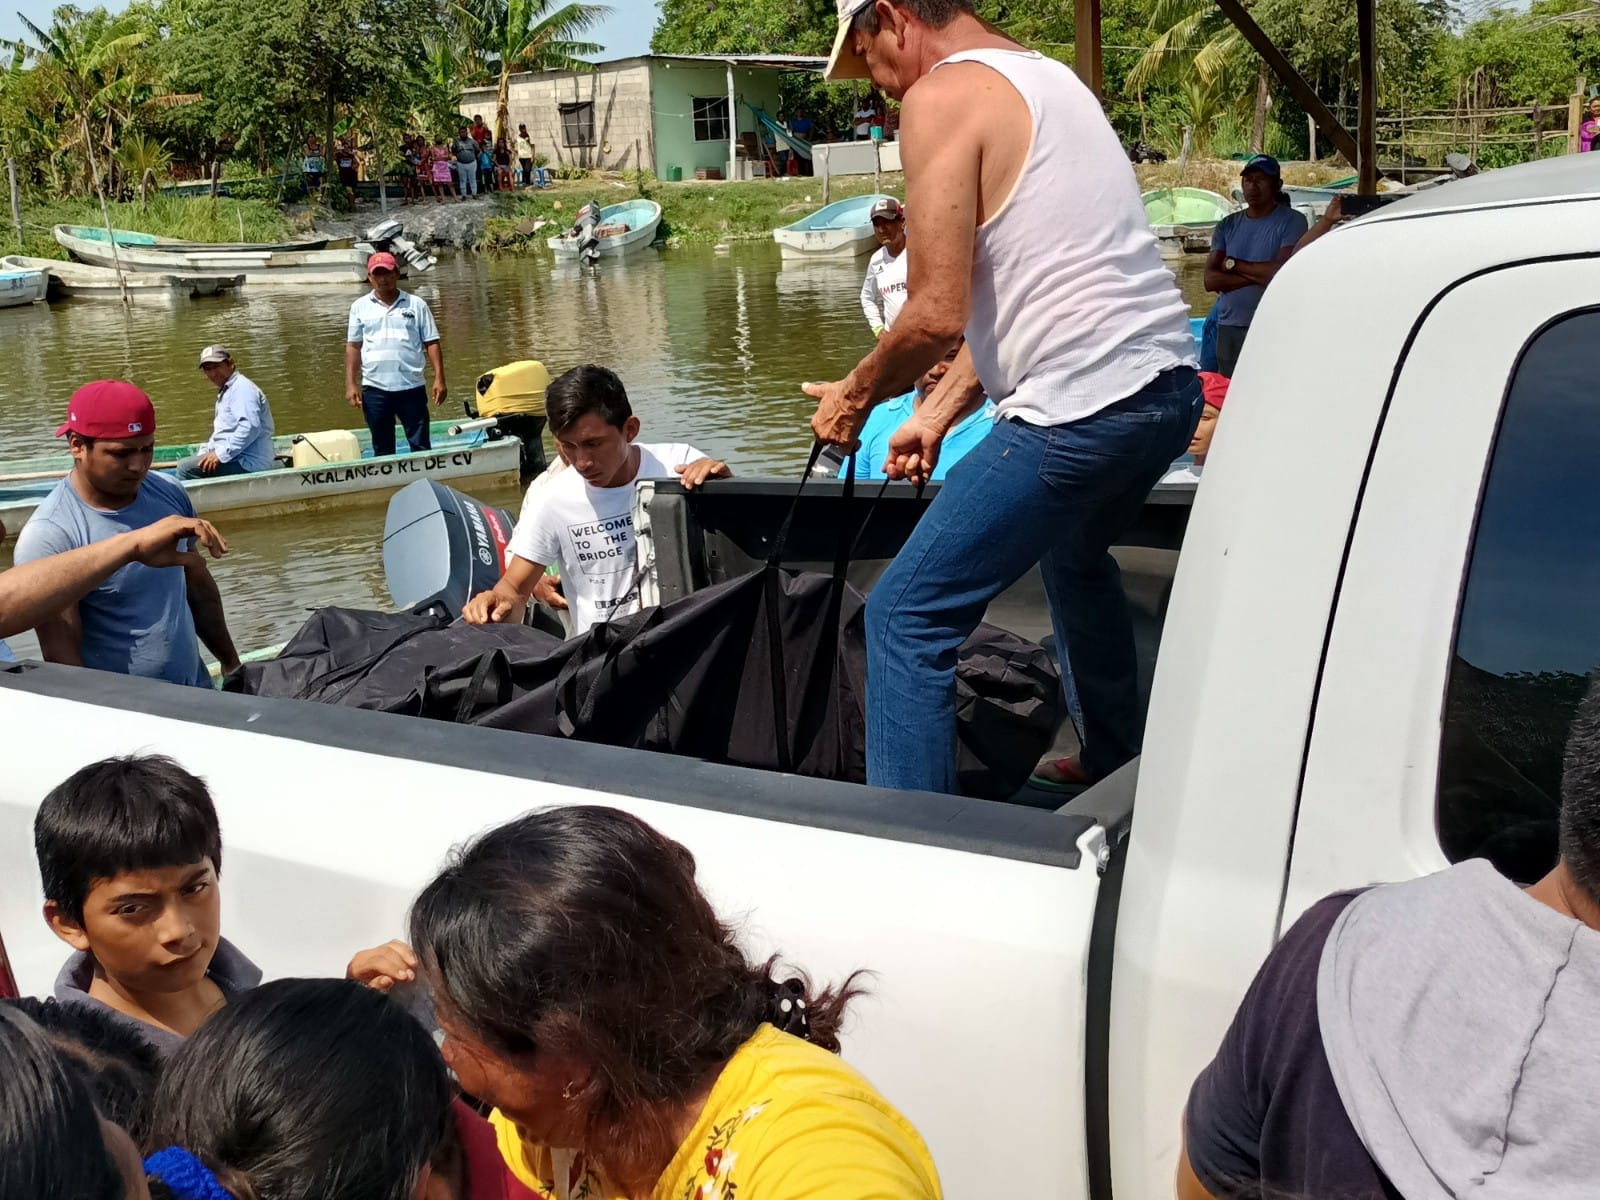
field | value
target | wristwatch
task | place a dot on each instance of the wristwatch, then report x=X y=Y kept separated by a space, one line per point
x=1229 y=264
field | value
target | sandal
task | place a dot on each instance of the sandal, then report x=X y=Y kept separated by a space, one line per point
x=1060 y=775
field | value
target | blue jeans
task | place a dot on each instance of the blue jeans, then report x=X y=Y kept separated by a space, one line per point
x=382 y=409
x=1058 y=496
x=467 y=178
x=189 y=468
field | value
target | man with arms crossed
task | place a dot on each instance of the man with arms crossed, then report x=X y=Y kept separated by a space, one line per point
x=1074 y=329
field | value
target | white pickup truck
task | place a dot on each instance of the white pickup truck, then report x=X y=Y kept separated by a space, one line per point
x=1384 y=611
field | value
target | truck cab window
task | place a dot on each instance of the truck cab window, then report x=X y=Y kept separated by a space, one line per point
x=1528 y=636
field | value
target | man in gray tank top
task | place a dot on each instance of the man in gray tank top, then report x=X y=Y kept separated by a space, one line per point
x=1027 y=233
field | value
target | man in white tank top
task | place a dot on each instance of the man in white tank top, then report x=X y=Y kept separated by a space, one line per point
x=1031 y=238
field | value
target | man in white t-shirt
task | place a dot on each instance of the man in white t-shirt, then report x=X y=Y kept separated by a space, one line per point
x=883 y=292
x=584 y=517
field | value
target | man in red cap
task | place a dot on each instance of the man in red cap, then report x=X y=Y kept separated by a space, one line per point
x=145 y=619
x=390 y=335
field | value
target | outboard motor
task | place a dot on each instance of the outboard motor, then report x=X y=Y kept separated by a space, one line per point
x=441 y=548
x=583 y=229
x=513 y=395
x=390 y=236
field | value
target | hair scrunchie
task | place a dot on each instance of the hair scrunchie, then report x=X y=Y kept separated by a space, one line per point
x=789 y=1008
x=186 y=1176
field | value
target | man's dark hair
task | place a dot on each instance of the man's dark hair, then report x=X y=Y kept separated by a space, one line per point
x=1580 y=794
x=307 y=1087
x=51 y=1147
x=584 y=390
x=935 y=14
x=134 y=813
x=119 y=1067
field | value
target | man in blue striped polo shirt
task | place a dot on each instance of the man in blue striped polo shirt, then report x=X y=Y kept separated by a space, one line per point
x=390 y=334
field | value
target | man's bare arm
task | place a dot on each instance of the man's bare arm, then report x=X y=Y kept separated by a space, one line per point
x=958 y=396
x=1218 y=278
x=352 y=373
x=942 y=125
x=39 y=591
x=1261 y=273
x=210 y=622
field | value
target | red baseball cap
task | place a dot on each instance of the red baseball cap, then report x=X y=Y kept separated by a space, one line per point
x=382 y=259
x=1214 y=388
x=109 y=409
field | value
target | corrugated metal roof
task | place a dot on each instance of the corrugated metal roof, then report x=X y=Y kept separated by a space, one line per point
x=799 y=62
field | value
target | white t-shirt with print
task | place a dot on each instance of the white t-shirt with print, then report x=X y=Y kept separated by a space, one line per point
x=883 y=292
x=590 y=530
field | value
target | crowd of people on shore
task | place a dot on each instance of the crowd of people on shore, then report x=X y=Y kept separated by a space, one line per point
x=473 y=162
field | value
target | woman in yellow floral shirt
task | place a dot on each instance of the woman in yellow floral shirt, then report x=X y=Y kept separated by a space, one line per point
x=587 y=990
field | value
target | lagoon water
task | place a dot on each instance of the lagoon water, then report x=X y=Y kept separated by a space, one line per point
x=712 y=348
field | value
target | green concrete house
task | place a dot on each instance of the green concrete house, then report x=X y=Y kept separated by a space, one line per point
x=672 y=114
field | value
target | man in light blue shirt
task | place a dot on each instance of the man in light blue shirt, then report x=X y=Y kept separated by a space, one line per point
x=390 y=334
x=144 y=619
x=1247 y=249
x=241 y=431
x=891 y=414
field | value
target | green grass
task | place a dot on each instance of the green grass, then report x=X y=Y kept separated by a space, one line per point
x=692 y=213
x=167 y=216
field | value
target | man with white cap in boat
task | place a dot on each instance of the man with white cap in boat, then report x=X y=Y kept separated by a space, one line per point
x=241 y=430
x=1075 y=329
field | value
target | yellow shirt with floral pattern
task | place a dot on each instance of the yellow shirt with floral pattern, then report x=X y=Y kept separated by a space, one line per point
x=786 y=1120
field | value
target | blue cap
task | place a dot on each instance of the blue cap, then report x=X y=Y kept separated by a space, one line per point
x=1264 y=163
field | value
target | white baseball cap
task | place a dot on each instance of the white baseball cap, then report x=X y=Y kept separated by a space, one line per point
x=215 y=354
x=843 y=61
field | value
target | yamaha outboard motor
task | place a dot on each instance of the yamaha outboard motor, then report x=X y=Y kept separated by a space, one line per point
x=390 y=236
x=514 y=396
x=441 y=548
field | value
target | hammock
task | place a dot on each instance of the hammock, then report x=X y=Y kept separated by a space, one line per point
x=800 y=147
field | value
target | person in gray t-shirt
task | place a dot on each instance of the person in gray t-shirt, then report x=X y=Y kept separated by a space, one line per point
x=143 y=620
x=1247 y=248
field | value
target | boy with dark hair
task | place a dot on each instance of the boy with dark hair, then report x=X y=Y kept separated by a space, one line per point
x=584 y=517
x=129 y=853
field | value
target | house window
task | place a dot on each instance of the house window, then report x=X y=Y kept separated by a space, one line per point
x=1528 y=637
x=711 y=119
x=577 y=123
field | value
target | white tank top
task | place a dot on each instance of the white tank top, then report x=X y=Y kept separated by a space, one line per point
x=1072 y=307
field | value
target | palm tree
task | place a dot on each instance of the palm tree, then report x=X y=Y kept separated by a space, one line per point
x=1222 y=57
x=91 y=65
x=528 y=35
x=143 y=159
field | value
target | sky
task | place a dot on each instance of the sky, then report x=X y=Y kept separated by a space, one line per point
x=626 y=32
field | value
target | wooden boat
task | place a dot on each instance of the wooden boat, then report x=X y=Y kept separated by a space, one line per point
x=1184 y=217
x=842 y=229
x=308 y=267
x=149 y=241
x=641 y=218
x=77 y=280
x=469 y=458
x=21 y=285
